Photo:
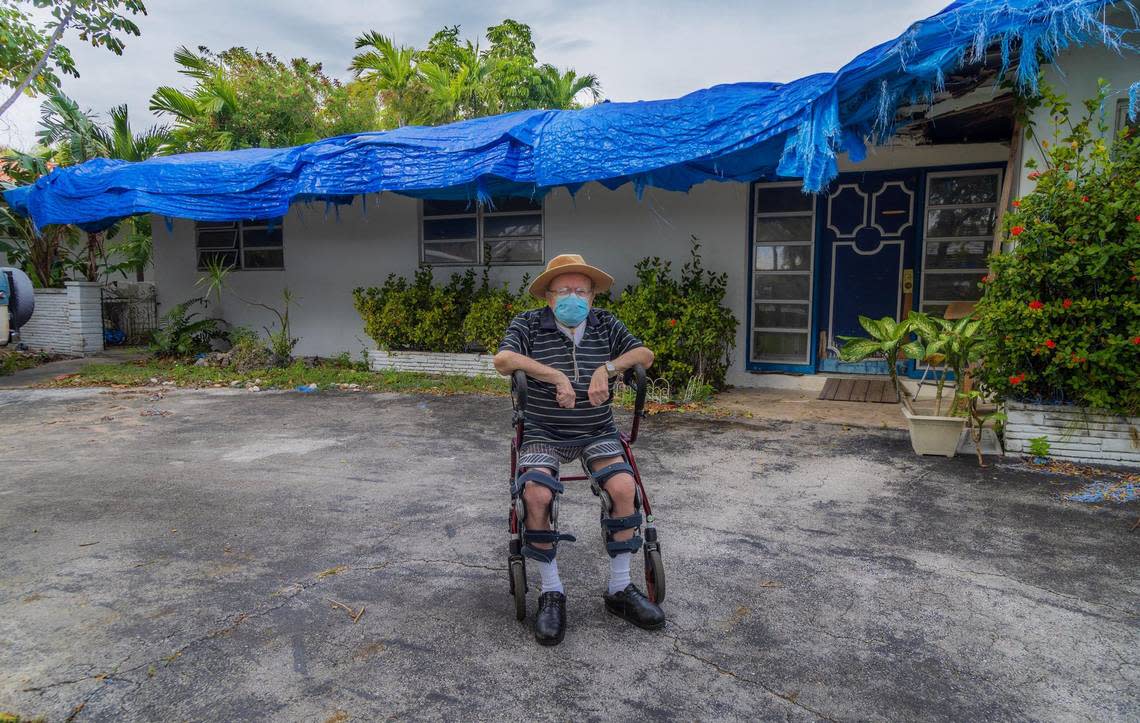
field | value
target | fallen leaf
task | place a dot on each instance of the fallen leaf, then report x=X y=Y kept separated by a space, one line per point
x=331 y=571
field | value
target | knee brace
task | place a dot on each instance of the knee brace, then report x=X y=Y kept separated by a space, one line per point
x=531 y=536
x=610 y=525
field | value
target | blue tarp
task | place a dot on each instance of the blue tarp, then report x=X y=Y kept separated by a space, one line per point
x=738 y=132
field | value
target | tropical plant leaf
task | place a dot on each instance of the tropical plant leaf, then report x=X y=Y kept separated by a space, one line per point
x=857 y=349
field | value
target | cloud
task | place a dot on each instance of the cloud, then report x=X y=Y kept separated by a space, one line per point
x=639 y=49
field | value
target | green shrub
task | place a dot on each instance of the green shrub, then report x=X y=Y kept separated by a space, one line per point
x=180 y=334
x=417 y=316
x=247 y=350
x=690 y=331
x=491 y=312
x=1062 y=310
x=684 y=322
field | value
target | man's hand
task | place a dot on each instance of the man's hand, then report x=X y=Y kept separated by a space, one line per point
x=564 y=391
x=599 y=386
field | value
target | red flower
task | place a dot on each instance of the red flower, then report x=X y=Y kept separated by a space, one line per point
x=1017 y=230
x=1033 y=176
x=1067 y=303
x=1050 y=343
x=987 y=278
x=1136 y=340
x=1017 y=204
x=672 y=322
x=1084 y=199
x=1138 y=218
x=1017 y=379
x=1035 y=305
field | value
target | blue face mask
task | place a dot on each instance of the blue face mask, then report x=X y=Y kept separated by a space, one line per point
x=571 y=310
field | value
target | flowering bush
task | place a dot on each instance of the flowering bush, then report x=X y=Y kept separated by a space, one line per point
x=685 y=323
x=1062 y=310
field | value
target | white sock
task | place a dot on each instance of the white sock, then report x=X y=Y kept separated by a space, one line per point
x=619 y=571
x=550 y=579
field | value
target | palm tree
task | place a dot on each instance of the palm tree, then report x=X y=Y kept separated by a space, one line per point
x=392 y=69
x=560 y=90
x=71 y=133
x=199 y=116
x=120 y=140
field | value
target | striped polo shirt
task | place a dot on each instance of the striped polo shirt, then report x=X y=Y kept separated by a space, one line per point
x=535 y=334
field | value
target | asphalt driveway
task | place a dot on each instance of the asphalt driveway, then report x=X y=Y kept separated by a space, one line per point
x=176 y=555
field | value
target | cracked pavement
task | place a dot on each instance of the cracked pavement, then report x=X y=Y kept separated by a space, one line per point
x=184 y=566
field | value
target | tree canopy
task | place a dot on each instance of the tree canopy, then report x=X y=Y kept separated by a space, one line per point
x=32 y=54
x=243 y=99
x=453 y=79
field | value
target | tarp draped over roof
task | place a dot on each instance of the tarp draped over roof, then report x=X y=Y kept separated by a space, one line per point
x=738 y=132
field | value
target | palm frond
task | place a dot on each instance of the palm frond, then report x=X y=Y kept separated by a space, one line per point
x=176 y=103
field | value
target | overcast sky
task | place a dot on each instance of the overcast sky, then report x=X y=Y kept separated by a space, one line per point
x=639 y=49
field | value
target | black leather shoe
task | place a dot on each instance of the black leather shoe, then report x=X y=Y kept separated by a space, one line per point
x=632 y=605
x=550 y=622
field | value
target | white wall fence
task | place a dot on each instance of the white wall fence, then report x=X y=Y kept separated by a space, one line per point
x=1074 y=433
x=67 y=320
x=471 y=365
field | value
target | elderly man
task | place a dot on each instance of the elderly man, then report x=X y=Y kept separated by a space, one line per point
x=572 y=354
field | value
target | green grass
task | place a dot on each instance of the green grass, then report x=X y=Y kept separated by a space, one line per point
x=13 y=361
x=326 y=375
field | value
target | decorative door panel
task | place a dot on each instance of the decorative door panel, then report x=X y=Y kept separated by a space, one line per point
x=868 y=232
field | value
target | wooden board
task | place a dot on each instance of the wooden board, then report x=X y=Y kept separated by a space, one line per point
x=874 y=391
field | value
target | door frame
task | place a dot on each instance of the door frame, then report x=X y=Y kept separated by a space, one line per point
x=817 y=283
x=813 y=335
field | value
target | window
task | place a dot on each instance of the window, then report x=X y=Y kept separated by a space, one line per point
x=961 y=213
x=241 y=244
x=509 y=231
x=782 y=259
x=1122 y=120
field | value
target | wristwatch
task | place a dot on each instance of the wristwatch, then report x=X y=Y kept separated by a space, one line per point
x=611 y=369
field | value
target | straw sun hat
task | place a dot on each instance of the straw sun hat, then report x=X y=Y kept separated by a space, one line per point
x=569 y=264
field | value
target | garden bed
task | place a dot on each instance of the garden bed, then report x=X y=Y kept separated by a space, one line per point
x=319 y=375
x=1074 y=433
x=470 y=365
x=12 y=361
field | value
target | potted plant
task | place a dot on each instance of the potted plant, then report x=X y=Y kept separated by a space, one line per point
x=949 y=347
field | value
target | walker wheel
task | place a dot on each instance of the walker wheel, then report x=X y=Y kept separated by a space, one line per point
x=518 y=587
x=654 y=574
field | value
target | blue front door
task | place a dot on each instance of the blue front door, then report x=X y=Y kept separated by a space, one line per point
x=866 y=239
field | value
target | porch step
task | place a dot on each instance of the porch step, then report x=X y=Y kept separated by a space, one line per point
x=859 y=390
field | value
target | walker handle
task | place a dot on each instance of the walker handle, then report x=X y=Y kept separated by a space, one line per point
x=637 y=373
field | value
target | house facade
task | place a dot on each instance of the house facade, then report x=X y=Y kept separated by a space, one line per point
x=907 y=228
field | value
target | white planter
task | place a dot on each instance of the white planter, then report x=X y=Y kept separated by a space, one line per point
x=1078 y=434
x=934 y=435
x=429 y=362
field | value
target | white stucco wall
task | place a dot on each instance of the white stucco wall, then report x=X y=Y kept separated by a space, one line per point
x=1076 y=74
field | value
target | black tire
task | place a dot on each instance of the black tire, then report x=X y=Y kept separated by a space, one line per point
x=518 y=587
x=654 y=575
